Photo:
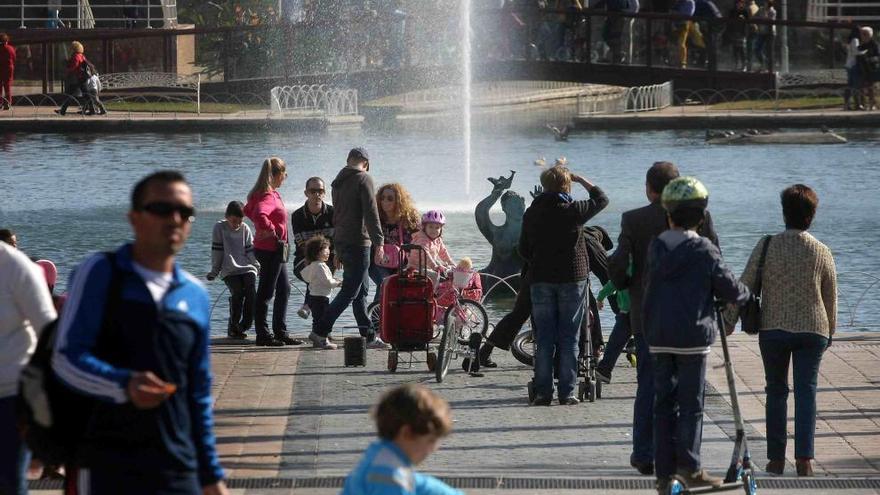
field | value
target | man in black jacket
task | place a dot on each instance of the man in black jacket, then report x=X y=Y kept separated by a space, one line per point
x=638 y=228
x=312 y=219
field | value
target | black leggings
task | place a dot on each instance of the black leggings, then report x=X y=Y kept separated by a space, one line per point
x=273 y=281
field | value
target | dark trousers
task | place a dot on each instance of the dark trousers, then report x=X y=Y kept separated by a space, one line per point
x=355 y=288
x=273 y=281
x=643 y=408
x=679 y=384
x=510 y=325
x=318 y=306
x=242 y=292
x=68 y=100
x=94 y=104
x=110 y=481
x=620 y=334
x=378 y=274
x=778 y=349
x=14 y=455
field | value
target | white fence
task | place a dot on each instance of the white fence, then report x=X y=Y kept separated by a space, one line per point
x=316 y=98
x=134 y=80
x=143 y=14
x=842 y=10
x=635 y=99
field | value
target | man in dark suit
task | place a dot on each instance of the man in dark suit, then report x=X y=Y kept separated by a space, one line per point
x=638 y=228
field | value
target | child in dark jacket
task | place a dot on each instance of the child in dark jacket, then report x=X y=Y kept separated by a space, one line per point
x=685 y=276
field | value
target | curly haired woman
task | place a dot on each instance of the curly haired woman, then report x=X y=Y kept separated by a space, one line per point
x=400 y=220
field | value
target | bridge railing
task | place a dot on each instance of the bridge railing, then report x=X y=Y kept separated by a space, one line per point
x=634 y=99
x=316 y=98
x=432 y=38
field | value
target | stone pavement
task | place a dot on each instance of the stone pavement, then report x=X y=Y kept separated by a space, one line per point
x=298 y=420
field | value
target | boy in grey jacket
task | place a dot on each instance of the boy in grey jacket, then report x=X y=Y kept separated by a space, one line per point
x=232 y=257
x=685 y=276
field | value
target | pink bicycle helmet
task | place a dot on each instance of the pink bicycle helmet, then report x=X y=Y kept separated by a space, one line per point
x=433 y=216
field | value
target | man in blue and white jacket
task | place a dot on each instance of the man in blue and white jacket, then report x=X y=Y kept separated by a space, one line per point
x=140 y=347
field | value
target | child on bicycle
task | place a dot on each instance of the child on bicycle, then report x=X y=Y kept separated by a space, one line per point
x=685 y=276
x=232 y=257
x=410 y=420
x=430 y=237
x=319 y=278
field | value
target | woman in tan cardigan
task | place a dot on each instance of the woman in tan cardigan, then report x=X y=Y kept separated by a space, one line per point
x=798 y=317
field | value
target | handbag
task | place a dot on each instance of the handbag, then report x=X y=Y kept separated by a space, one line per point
x=391 y=252
x=750 y=314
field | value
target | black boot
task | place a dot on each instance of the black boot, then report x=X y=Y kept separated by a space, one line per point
x=485 y=356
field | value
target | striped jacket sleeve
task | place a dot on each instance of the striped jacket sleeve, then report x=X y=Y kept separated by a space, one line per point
x=73 y=359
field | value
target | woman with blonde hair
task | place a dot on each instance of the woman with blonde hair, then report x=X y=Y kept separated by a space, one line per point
x=400 y=220
x=266 y=210
x=73 y=77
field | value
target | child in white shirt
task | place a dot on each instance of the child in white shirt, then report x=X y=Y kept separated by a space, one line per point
x=318 y=275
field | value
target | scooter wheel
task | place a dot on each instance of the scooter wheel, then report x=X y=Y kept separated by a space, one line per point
x=676 y=486
x=531 y=389
x=750 y=486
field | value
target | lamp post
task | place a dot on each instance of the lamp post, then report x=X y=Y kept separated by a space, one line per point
x=783 y=36
x=22 y=26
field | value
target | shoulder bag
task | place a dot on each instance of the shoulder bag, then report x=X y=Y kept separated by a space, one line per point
x=750 y=314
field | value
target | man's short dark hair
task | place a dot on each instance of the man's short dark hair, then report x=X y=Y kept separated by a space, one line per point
x=6 y=236
x=425 y=412
x=235 y=209
x=660 y=174
x=160 y=177
x=312 y=179
x=688 y=217
x=314 y=247
x=799 y=203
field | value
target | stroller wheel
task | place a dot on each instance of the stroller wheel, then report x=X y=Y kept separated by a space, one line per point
x=582 y=391
x=598 y=389
x=531 y=388
x=431 y=360
x=392 y=361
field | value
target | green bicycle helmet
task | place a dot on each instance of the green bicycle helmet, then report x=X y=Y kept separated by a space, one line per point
x=684 y=192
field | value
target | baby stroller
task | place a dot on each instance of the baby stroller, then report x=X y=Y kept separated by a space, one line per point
x=589 y=387
x=406 y=311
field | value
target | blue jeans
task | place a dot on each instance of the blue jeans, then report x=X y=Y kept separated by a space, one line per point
x=778 y=349
x=616 y=342
x=557 y=311
x=680 y=383
x=14 y=454
x=643 y=407
x=355 y=288
x=377 y=275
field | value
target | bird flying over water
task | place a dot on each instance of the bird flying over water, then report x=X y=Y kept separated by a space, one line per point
x=559 y=134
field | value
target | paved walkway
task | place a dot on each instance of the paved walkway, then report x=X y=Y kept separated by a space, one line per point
x=296 y=419
x=298 y=414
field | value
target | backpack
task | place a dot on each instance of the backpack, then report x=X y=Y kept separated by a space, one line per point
x=86 y=70
x=55 y=416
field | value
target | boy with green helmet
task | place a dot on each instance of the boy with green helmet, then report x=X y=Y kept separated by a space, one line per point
x=685 y=275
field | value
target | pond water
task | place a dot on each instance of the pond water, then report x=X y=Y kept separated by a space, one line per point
x=67 y=195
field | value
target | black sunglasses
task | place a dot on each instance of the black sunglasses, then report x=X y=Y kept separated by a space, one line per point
x=165 y=209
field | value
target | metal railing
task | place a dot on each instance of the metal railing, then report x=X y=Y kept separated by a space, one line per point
x=634 y=99
x=134 y=80
x=758 y=100
x=842 y=11
x=317 y=98
x=50 y=14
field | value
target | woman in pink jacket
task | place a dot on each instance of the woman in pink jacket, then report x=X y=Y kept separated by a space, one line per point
x=7 y=70
x=266 y=210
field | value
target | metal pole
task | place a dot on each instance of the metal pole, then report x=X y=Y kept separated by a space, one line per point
x=21 y=25
x=783 y=37
x=149 y=24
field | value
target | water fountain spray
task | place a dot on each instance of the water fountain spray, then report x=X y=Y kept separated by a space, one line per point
x=466 y=93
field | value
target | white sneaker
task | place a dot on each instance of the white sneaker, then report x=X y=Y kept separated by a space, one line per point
x=321 y=342
x=304 y=312
x=377 y=343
